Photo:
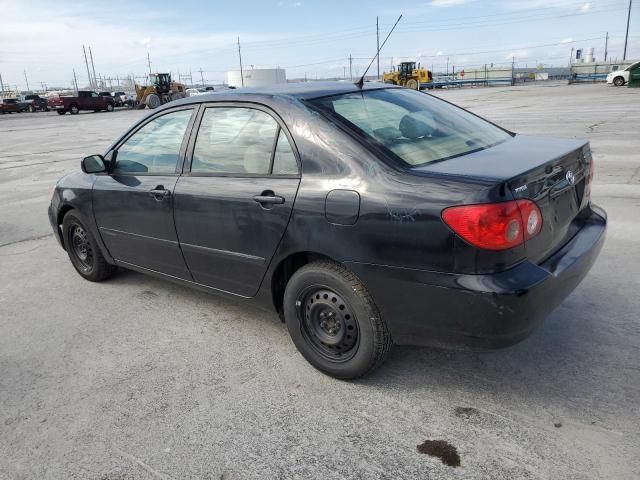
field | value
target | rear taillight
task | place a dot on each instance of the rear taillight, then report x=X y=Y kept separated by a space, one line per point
x=495 y=226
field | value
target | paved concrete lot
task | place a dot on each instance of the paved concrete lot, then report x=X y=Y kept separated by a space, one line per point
x=137 y=378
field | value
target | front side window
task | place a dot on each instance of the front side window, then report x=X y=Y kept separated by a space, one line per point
x=414 y=128
x=234 y=140
x=155 y=148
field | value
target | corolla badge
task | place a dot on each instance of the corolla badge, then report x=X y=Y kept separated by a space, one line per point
x=570 y=177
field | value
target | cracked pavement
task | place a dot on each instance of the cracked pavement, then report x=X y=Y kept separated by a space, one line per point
x=137 y=378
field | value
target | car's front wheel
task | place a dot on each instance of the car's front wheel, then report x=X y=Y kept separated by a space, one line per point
x=83 y=251
x=618 y=81
x=334 y=322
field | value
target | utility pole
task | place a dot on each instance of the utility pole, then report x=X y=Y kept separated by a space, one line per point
x=149 y=62
x=1 y=84
x=351 y=67
x=26 y=79
x=201 y=76
x=87 y=65
x=93 y=67
x=606 y=44
x=378 y=45
x=240 y=57
x=447 y=66
x=571 y=57
x=75 y=81
x=626 y=37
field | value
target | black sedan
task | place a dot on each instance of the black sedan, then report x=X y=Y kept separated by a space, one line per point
x=365 y=217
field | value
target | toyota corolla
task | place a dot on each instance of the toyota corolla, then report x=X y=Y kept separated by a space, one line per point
x=364 y=216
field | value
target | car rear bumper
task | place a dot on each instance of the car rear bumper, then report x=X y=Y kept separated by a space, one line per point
x=480 y=311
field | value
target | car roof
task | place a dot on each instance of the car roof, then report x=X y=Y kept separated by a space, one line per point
x=300 y=90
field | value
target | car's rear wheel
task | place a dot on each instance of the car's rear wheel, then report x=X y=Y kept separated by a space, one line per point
x=84 y=253
x=618 y=81
x=109 y=107
x=334 y=322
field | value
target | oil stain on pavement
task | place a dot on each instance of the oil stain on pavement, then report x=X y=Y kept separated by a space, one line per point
x=442 y=449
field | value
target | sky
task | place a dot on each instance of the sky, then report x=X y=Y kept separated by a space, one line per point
x=306 y=37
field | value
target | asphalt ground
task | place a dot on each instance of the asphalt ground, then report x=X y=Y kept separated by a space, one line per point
x=137 y=378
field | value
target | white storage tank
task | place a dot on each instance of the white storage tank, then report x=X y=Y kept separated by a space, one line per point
x=256 y=77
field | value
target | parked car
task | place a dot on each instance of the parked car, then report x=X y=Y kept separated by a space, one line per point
x=25 y=105
x=620 y=77
x=10 y=105
x=192 y=92
x=35 y=102
x=86 y=100
x=363 y=216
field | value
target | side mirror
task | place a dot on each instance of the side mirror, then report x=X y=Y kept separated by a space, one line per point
x=93 y=164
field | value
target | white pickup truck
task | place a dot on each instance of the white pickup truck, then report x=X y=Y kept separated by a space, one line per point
x=620 y=77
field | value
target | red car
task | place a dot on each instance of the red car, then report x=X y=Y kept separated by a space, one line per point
x=86 y=100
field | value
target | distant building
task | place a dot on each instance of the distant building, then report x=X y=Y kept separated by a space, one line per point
x=256 y=77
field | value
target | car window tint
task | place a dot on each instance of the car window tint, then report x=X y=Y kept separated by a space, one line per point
x=154 y=148
x=234 y=140
x=284 y=161
x=413 y=127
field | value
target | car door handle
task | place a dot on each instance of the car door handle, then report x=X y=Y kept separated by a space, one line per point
x=269 y=199
x=160 y=193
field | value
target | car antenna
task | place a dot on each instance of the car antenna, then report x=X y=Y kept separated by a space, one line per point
x=360 y=82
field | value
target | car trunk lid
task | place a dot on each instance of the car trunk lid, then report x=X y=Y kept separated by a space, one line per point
x=551 y=172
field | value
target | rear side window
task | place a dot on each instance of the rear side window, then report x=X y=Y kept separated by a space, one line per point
x=412 y=127
x=238 y=140
x=284 y=160
x=155 y=148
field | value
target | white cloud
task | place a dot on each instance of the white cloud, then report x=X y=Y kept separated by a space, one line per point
x=566 y=40
x=448 y=3
x=564 y=4
x=438 y=53
x=518 y=54
x=145 y=41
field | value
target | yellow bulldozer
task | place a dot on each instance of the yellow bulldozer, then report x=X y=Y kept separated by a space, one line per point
x=407 y=74
x=161 y=89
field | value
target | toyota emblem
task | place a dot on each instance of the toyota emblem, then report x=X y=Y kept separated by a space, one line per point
x=570 y=177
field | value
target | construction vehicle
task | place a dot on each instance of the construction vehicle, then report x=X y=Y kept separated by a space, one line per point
x=408 y=75
x=161 y=89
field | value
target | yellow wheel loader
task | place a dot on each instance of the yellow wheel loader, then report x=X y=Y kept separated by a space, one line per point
x=408 y=75
x=160 y=90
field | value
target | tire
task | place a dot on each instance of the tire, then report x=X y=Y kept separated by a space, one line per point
x=618 y=81
x=74 y=110
x=334 y=322
x=109 y=107
x=412 y=83
x=61 y=112
x=153 y=101
x=83 y=251
x=389 y=82
x=177 y=96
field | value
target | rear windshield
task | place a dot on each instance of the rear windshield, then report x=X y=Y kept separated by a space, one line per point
x=412 y=127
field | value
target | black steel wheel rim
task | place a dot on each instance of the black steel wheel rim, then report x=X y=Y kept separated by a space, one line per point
x=328 y=323
x=81 y=248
